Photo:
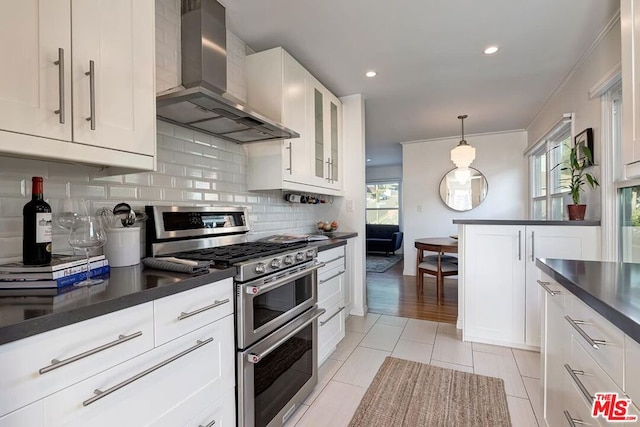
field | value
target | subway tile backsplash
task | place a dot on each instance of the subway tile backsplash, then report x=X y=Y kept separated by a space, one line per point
x=201 y=170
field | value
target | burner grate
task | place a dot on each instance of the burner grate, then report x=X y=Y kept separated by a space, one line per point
x=231 y=254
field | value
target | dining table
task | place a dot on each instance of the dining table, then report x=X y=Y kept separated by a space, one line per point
x=440 y=245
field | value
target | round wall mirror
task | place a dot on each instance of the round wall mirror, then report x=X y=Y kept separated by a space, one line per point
x=463 y=190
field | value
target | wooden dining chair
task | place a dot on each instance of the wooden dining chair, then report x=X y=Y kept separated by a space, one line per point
x=440 y=266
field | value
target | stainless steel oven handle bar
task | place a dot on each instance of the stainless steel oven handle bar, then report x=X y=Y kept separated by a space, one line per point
x=256 y=290
x=256 y=357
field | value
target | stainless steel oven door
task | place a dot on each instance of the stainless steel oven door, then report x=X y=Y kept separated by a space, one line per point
x=277 y=374
x=266 y=304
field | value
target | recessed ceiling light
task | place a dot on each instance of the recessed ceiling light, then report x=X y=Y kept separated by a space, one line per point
x=491 y=50
x=371 y=74
x=368 y=160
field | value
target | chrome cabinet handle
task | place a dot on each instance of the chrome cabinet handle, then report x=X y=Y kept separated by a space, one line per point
x=92 y=94
x=255 y=290
x=329 y=278
x=573 y=422
x=575 y=323
x=328 y=162
x=99 y=394
x=533 y=245
x=323 y=322
x=574 y=376
x=215 y=304
x=290 y=168
x=331 y=169
x=55 y=363
x=60 y=64
x=257 y=357
x=208 y=425
x=519 y=245
x=334 y=259
x=545 y=286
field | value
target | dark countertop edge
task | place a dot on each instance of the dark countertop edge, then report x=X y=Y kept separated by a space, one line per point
x=618 y=319
x=325 y=245
x=27 y=328
x=523 y=222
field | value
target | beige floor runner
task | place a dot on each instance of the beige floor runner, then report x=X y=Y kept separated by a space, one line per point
x=405 y=393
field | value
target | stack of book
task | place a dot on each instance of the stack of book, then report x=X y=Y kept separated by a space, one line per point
x=64 y=270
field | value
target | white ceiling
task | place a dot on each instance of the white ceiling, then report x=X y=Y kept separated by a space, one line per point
x=429 y=57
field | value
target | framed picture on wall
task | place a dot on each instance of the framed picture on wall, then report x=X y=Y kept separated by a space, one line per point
x=585 y=139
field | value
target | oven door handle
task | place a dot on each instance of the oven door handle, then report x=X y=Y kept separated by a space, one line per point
x=310 y=317
x=256 y=290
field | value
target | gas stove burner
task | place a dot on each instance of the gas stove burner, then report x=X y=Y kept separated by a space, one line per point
x=232 y=254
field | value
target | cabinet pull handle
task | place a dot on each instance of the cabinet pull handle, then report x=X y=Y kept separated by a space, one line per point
x=519 y=245
x=574 y=376
x=533 y=246
x=328 y=169
x=329 y=278
x=323 y=322
x=334 y=259
x=215 y=304
x=331 y=175
x=55 y=363
x=573 y=422
x=290 y=168
x=99 y=394
x=545 y=286
x=60 y=64
x=208 y=425
x=575 y=323
x=92 y=94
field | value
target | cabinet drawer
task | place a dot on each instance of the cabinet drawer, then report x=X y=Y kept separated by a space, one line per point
x=222 y=413
x=575 y=407
x=83 y=349
x=331 y=289
x=631 y=371
x=145 y=389
x=610 y=356
x=330 y=330
x=332 y=255
x=29 y=416
x=182 y=313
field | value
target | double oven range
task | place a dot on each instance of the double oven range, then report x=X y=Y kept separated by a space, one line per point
x=275 y=306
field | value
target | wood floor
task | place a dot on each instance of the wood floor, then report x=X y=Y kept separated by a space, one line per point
x=393 y=294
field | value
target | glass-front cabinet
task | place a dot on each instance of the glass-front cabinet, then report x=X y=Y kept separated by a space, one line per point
x=327 y=114
x=629 y=237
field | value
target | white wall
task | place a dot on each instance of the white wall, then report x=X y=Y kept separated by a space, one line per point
x=498 y=156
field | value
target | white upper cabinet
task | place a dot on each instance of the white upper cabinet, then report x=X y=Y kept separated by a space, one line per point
x=52 y=107
x=630 y=25
x=281 y=89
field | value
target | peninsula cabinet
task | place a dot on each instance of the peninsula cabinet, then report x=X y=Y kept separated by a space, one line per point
x=78 y=81
x=283 y=90
x=498 y=278
x=630 y=41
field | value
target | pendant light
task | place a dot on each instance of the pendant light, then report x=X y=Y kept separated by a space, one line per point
x=463 y=154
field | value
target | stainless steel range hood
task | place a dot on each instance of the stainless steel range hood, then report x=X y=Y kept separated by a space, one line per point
x=201 y=103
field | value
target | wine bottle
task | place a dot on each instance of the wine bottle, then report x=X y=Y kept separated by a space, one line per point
x=36 y=229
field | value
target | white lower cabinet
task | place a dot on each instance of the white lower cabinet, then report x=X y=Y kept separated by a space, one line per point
x=29 y=416
x=142 y=390
x=501 y=302
x=331 y=297
x=220 y=414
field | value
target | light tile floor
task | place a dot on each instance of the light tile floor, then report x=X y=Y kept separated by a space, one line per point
x=345 y=376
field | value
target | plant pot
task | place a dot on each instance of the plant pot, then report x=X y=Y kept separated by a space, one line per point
x=576 y=212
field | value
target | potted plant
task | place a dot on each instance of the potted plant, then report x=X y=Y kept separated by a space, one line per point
x=576 y=166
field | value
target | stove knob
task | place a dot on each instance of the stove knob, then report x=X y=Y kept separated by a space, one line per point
x=288 y=260
x=300 y=256
x=311 y=253
x=276 y=263
x=260 y=268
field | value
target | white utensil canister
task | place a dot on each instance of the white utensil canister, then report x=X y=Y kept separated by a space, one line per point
x=123 y=246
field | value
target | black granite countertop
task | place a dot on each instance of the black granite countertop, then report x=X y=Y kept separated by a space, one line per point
x=522 y=222
x=23 y=315
x=611 y=288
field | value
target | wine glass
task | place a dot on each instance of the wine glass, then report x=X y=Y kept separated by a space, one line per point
x=88 y=235
x=71 y=212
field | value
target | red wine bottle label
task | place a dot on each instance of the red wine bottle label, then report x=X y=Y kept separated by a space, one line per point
x=43 y=227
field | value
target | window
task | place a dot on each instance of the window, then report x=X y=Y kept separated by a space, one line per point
x=548 y=181
x=383 y=203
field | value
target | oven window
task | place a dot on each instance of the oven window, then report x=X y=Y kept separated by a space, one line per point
x=273 y=304
x=281 y=374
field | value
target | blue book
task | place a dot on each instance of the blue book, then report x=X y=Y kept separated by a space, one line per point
x=22 y=283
